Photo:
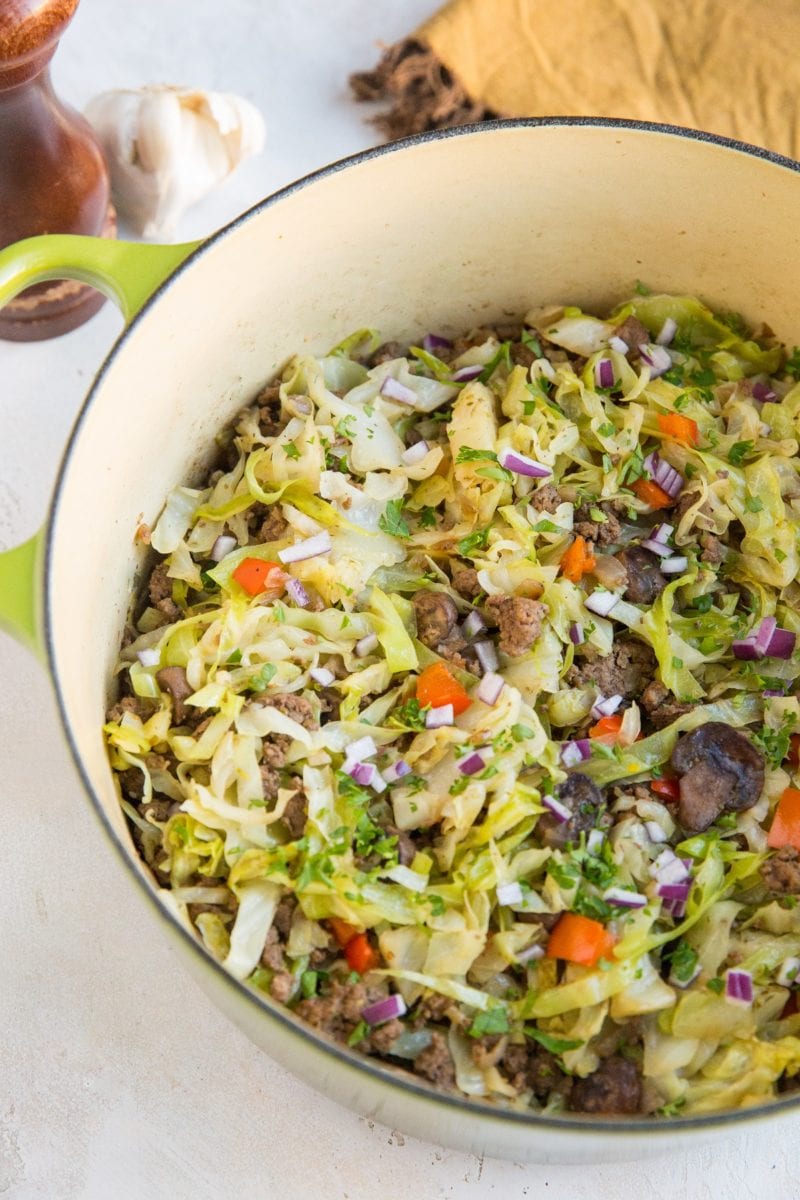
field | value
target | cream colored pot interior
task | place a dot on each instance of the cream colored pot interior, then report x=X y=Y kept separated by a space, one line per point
x=441 y=234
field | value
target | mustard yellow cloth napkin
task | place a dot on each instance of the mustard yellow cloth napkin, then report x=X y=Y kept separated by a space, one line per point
x=728 y=66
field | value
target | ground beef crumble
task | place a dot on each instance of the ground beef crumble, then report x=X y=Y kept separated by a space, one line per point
x=604 y=532
x=624 y=672
x=519 y=620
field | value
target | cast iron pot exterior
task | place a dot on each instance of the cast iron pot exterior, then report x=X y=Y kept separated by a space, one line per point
x=444 y=232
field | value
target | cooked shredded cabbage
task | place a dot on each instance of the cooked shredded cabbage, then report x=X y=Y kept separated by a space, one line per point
x=411 y=758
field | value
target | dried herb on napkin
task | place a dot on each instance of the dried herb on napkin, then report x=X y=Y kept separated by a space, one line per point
x=727 y=66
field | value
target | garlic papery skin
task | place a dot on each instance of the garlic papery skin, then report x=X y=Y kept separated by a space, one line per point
x=167 y=147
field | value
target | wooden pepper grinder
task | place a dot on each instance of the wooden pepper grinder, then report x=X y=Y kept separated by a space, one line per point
x=53 y=178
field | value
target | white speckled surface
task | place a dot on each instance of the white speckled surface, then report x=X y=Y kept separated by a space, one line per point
x=117 y=1076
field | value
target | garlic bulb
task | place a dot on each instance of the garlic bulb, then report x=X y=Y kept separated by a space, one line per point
x=167 y=147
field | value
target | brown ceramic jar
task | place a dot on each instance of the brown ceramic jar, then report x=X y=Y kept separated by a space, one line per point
x=53 y=178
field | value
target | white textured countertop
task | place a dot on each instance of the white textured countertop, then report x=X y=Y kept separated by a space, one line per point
x=118 y=1078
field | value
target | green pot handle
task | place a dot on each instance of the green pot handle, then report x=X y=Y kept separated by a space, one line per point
x=128 y=273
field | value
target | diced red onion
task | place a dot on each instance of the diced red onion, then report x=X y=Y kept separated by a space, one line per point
x=663 y=533
x=224 y=544
x=396 y=771
x=473 y=624
x=658 y=548
x=604 y=373
x=490 y=687
x=739 y=986
x=415 y=454
x=465 y=374
x=770 y=692
x=674 y=891
x=436 y=718
x=363 y=773
x=559 y=810
x=624 y=899
x=393 y=389
x=594 y=840
x=601 y=602
x=576 y=752
x=657 y=358
x=667 y=333
x=781 y=644
x=311 y=547
x=530 y=953
x=660 y=471
x=298 y=593
x=763 y=392
x=378 y=783
x=408 y=878
x=676 y=908
x=769 y=641
x=322 y=675
x=655 y=832
x=509 y=893
x=674 y=565
x=487 y=656
x=789 y=972
x=434 y=341
x=472 y=763
x=362 y=748
x=576 y=634
x=149 y=657
x=668 y=868
x=745 y=650
x=366 y=645
x=605 y=706
x=618 y=344
x=384 y=1010
x=764 y=634
x=669 y=480
x=520 y=464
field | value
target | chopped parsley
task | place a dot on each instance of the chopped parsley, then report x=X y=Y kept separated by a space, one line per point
x=531 y=342
x=409 y=715
x=260 y=681
x=738 y=452
x=309 y=982
x=392 y=520
x=793 y=363
x=345 y=428
x=473 y=541
x=493 y=1020
x=503 y=355
x=468 y=454
x=359 y=1033
x=683 y=962
x=775 y=742
x=427 y=517
x=716 y=985
x=291 y=451
x=555 y=1045
x=438 y=369
x=753 y=504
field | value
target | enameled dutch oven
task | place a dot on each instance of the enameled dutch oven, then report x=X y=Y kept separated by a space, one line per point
x=444 y=231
